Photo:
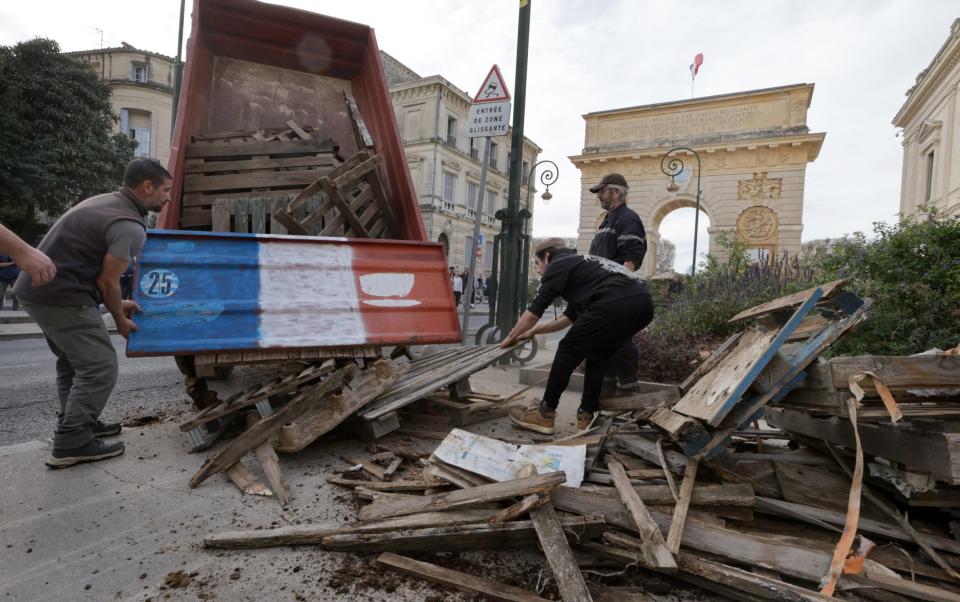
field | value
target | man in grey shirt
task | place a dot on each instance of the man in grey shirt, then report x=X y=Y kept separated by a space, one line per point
x=91 y=246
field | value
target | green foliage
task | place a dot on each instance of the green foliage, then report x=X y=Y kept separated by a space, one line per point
x=58 y=144
x=911 y=270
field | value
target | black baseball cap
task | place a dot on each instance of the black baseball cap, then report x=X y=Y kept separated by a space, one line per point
x=611 y=178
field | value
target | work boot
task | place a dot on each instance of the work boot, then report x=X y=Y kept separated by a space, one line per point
x=585 y=420
x=91 y=452
x=536 y=417
x=106 y=429
x=628 y=385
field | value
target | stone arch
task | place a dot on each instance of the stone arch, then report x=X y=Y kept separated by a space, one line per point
x=658 y=211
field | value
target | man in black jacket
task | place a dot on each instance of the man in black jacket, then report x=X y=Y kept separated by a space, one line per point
x=620 y=238
x=606 y=304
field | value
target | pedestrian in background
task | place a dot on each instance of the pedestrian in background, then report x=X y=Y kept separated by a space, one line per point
x=457 y=288
x=8 y=275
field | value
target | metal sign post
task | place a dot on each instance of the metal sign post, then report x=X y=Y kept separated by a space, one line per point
x=489 y=116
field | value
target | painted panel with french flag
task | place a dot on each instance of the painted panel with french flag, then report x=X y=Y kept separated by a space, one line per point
x=695 y=65
x=205 y=291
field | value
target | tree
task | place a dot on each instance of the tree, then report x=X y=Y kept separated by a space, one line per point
x=58 y=145
x=666 y=253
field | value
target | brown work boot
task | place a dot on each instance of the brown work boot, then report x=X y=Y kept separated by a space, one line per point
x=585 y=420
x=534 y=418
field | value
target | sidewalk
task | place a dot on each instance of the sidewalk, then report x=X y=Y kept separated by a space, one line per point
x=121 y=528
x=18 y=324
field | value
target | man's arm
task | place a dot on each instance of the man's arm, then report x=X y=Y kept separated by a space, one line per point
x=108 y=281
x=37 y=265
x=631 y=242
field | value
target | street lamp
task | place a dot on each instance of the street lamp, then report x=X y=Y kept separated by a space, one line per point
x=673 y=166
x=547 y=177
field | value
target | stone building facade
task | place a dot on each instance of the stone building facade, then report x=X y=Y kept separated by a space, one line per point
x=142 y=98
x=930 y=123
x=753 y=146
x=445 y=164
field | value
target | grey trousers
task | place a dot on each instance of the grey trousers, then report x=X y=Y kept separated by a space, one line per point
x=86 y=367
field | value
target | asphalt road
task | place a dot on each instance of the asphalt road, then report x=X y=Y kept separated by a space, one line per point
x=28 y=394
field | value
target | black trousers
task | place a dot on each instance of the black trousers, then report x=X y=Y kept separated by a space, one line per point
x=595 y=336
x=623 y=363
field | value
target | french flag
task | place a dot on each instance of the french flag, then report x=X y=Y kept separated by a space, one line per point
x=695 y=65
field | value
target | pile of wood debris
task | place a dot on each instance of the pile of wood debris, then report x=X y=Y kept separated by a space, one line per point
x=746 y=479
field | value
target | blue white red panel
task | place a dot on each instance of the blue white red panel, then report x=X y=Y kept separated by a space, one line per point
x=203 y=292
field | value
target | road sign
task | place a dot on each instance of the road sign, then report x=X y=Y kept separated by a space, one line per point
x=488 y=119
x=493 y=88
x=479 y=251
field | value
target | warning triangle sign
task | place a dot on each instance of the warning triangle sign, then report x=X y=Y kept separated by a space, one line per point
x=493 y=88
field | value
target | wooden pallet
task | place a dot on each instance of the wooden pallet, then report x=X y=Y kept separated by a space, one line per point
x=355 y=203
x=236 y=166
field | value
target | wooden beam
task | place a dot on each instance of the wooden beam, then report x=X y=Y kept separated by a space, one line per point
x=248 y=149
x=464 y=497
x=555 y=548
x=270 y=464
x=458 y=538
x=689 y=433
x=299 y=535
x=646 y=449
x=796 y=299
x=642 y=401
x=654 y=545
x=898 y=372
x=403 y=485
x=457 y=580
x=683 y=505
x=246 y=481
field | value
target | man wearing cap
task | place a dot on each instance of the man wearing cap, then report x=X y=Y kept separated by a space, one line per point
x=620 y=238
x=606 y=305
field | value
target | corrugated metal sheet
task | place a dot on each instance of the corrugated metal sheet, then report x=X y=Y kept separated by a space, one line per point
x=204 y=291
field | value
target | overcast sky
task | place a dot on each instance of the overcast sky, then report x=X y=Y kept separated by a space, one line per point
x=601 y=54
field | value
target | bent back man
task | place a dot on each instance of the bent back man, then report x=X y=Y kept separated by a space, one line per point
x=91 y=246
x=620 y=238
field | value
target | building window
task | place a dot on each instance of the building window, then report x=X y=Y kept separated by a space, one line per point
x=449 y=186
x=138 y=73
x=526 y=173
x=493 y=155
x=468 y=253
x=451 y=131
x=474 y=150
x=928 y=186
x=488 y=256
x=136 y=124
x=473 y=192
x=491 y=202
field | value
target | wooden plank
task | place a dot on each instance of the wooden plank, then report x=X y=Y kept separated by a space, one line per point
x=828 y=290
x=897 y=585
x=793 y=556
x=364 y=139
x=557 y=551
x=327 y=160
x=298 y=535
x=299 y=131
x=641 y=401
x=246 y=481
x=711 y=362
x=402 y=485
x=457 y=579
x=741 y=583
x=270 y=464
x=356 y=173
x=683 y=505
x=919 y=450
x=458 y=538
x=194 y=217
x=688 y=432
x=898 y=373
x=646 y=449
x=359 y=231
x=253 y=179
x=220 y=216
x=654 y=545
x=248 y=149
x=265 y=429
x=465 y=497
x=515 y=511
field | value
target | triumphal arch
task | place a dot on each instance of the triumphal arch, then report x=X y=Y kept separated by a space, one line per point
x=753 y=147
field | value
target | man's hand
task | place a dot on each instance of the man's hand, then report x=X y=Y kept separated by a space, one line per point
x=126 y=325
x=37 y=265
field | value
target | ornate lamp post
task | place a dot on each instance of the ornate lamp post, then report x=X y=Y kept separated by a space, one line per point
x=547 y=177
x=673 y=166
